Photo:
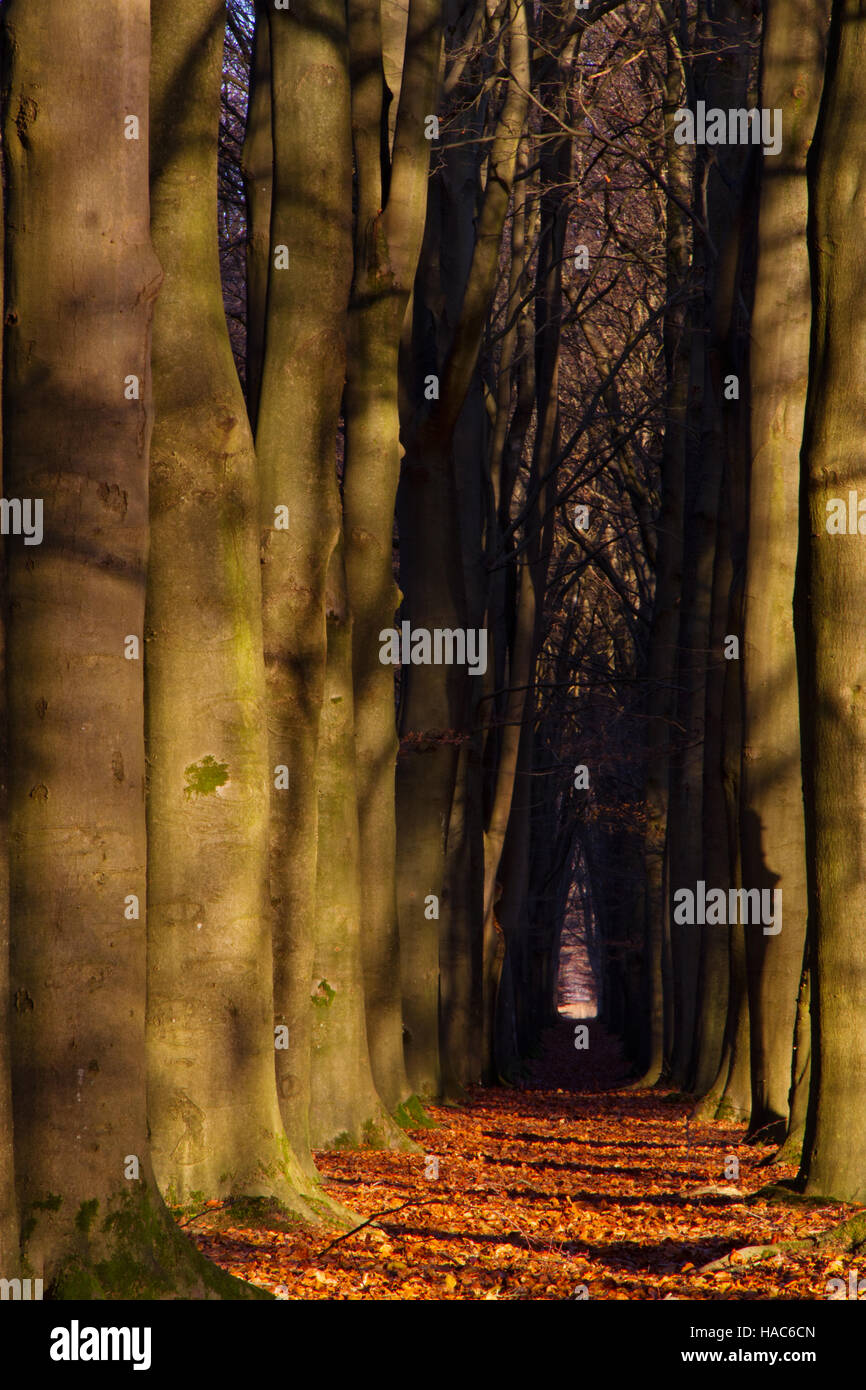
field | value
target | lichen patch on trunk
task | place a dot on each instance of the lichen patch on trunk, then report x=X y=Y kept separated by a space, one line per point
x=203 y=778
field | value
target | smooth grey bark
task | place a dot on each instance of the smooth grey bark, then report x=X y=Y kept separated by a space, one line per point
x=302 y=383
x=213 y=1105
x=9 y=1251
x=774 y=853
x=81 y=279
x=830 y=609
x=345 y=1108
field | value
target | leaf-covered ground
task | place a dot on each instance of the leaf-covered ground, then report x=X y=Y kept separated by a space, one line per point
x=572 y=1187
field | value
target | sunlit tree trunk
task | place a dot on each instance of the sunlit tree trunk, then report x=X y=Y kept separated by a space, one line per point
x=9 y=1253
x=302 y=383
x=81 y=282
x=344 y=1106
x=772 y=805
x=831 y=608
x=213 y=1104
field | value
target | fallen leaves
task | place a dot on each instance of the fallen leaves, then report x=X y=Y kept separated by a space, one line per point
x=573 y=1182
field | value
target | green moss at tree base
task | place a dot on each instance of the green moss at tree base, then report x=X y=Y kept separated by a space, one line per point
x=373 y=1136
x=412 y=1115
x=791 y=1151
x=785 y=1193
x=727 y=1111
x=268 y=1214
x=255 y=1214
x=136 y=1252
x=849 y=1236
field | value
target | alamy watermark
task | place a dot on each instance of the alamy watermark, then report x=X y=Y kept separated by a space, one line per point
x=738 y=126
x=24 y=1289
x=76 y=1343
x=846 y=519
x=444 y=646
x=22 y=517
x=715 y=907
x=856 y=1287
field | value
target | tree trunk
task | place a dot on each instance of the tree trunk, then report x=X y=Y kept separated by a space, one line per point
x=713 y=974
x=9 y=1251
x=801 y=1072
x=302 y=384
x=390 y=226
x=81 y=281
x=258 y=175
x=730 y=1091
x=735 y=1098
x=772 y=804
x=454 y=287
x=213 y=1104
x=344 y=1107
x=460 y=940
x=433 y=704
x=662 y=661
x=734 y=1091
x=831 y=607
x=723 y=73
x=519 y=680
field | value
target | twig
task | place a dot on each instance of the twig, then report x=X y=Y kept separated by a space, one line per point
x=203 y=1212
x=421 y=1201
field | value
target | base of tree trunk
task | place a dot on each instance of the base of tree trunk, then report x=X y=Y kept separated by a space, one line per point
x=770 y=1132
x=380 y=1131
x=134 y=1252
x=410 y=1114
x=792 y=1149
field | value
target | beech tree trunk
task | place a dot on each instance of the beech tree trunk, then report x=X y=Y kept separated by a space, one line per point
x=713 y=973
x=460 y=941
x=213 y=1107
x=772 y=791
x=722 y=77
x=81 y=283
x=302 y=383
x=9 y=1251
x=831 y=608
x=258 y=175
x=801 y=1071
x=390 y=226
x=662 y=662
x=464 y=229
x=344 y=1108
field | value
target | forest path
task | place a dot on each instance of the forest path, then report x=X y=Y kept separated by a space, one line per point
x=571 y=1187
